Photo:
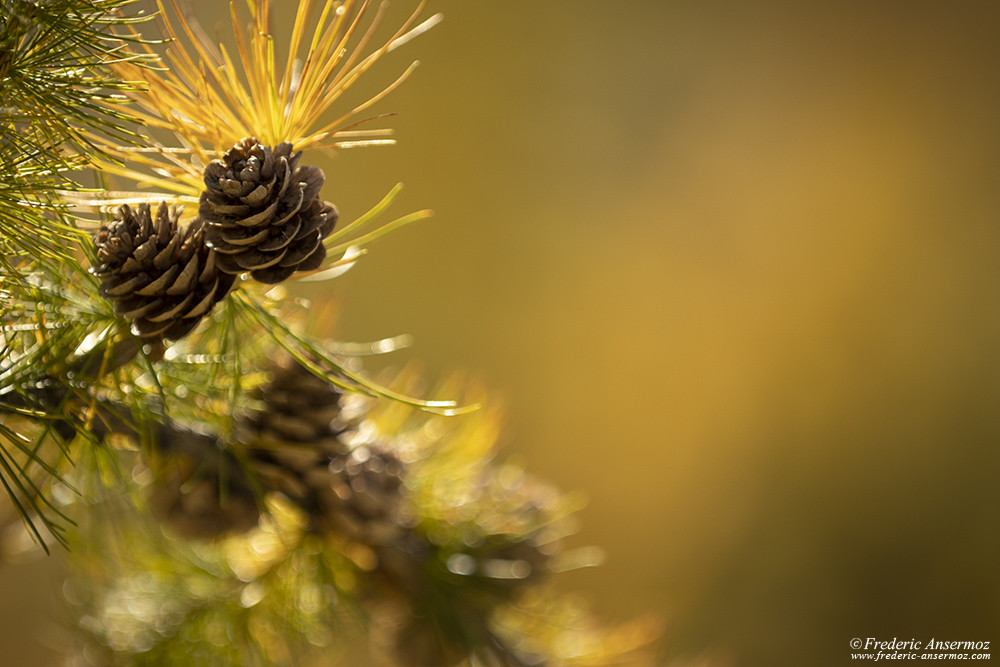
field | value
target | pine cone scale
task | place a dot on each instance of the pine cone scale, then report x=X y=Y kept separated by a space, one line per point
x=260 y=194
x=147 y=329
x=160 y=284
x=226 y=245
x=235 y=188
x=260 y=218
x=226 y=265
x=301 y=252
x=185 y=282
x=221 y=213
x=170 y=313
x=202 y=307
x=132 y=265
x=134 y=306
x=210 y=273
x=142 y=254
x=179 y=329
x=250 y=261
x=274 y=274
x=166 y=256
x=124 y=287
x=280 y=241
x=315 y=260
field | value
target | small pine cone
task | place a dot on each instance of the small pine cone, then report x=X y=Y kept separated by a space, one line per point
x=295 y=447
x=300 y=408
x=264 y=213
x=360 y=495
x=294 y=431
x=163 y=278
x=195 y=505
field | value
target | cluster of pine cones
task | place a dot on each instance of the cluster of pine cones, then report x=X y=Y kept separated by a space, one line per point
x=260 y=213
x=296 y=440
x=291 y=443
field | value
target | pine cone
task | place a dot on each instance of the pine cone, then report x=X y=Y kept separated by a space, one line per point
x=294 y=432
x=299 y=408
x=196 y=506
x=296 y=448
x=360 y=495
x=200 y=489
x=163 y=278
x=264 y=213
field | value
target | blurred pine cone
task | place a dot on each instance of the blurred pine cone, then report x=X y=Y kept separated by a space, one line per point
x=296 y=448
x=361 y=497
x=295 y=407
x=264 y=212
x=203 y=504
x=293 y=432
x=199 y=488
x=163 y=278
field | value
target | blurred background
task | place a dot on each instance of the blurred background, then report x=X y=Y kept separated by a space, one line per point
x=733 y=269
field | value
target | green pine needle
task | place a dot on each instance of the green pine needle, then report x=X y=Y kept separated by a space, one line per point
x=56 y=87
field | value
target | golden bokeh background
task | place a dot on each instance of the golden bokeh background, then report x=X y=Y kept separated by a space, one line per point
x=734 y=269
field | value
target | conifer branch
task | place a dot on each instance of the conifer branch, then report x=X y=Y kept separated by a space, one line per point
x=60 y=101
x=220 y=506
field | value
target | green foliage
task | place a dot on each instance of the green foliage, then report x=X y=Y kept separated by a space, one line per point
x=59 y=96
x=54 y=77
x=48 y=322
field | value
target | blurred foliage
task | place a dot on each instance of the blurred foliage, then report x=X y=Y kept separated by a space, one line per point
x=282 y=594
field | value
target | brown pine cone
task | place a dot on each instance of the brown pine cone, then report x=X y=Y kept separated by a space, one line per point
x=298 y=408
x=295 y=446
x=264 y=212
x=163 y=278
x=203 y=505
x=360 y=496
x=294 y=431
x=199 y=488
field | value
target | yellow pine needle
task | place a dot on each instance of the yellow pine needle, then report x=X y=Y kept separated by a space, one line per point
x=364 y=144
x=381 y=231
x=339 y=234
x=208 y=100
